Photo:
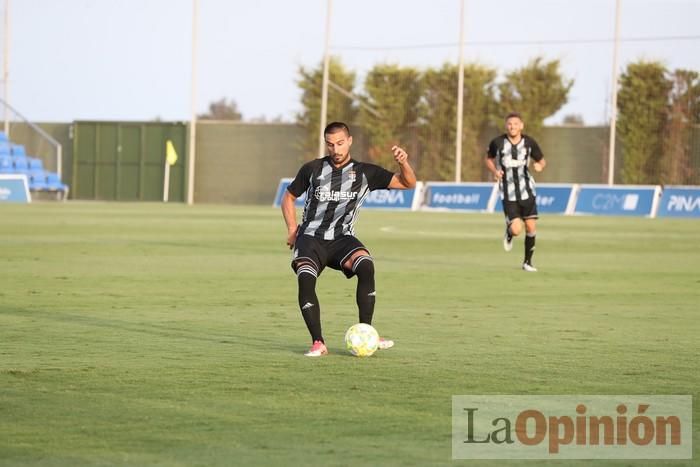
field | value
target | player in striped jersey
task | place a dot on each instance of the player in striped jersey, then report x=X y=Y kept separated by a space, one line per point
x=335 y=188
x=508 y=158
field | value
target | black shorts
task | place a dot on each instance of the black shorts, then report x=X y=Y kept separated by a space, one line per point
x=322 y=253
x=525 y=209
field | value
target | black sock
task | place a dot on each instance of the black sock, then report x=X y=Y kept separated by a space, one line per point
x=308 y=302
x=529 y=247
x=366 y=295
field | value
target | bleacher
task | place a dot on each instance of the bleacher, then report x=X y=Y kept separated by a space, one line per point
x=14 y=160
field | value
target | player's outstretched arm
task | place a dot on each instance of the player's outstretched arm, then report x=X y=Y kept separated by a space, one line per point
x=289 y=212
x=406 y=178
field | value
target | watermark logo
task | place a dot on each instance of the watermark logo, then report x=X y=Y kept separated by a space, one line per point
x=572 y=427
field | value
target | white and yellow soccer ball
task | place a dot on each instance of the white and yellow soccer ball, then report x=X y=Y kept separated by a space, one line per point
x=362 y=340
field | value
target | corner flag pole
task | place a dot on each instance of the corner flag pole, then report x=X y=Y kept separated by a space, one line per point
x=166 y=182
x=170 y=159
x=613 y=110
x=324 y=84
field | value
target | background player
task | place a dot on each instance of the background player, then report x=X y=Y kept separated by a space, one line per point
x=508 y=158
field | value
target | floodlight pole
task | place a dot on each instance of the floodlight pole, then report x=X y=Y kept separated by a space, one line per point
x=460 y=98
x=324 y=84
x=5 y=67
x=613 y=110
x=193 y=107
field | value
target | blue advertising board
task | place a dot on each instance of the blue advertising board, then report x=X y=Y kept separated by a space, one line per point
x=281 y=188
x=626 y=200
x=14 y=189
x=680 y=201
x=395 y=199
x=460 y=196
x=386 y=199
x=551 y=198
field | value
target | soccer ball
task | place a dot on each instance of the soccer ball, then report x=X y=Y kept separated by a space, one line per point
x=362 y=340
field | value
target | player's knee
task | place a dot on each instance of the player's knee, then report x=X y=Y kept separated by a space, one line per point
x=363 y=266
x=530 y=227
x=516 y=227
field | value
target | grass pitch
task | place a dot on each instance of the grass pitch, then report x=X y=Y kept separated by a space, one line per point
x=148 y=334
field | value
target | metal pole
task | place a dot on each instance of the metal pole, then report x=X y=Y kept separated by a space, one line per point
x=166 y=181
x=460 y=98
x=613 y=110
x=193 y=106
x=52 y=141
x=59 y=161
x=324 y=84
x=5 y=67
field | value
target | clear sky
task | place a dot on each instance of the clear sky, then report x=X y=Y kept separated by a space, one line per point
x=130 y=59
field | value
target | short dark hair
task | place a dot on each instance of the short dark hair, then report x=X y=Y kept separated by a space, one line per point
x=514 y=115
x=335 y=127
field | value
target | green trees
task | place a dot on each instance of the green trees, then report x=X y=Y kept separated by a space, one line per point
x=659 y=114
x=643 y=106
x=684 y=111
x=223 y=109
x=656 y=111
x=438 y=117
x=480 y=103
x=419 y=107
x=395 y=94
x=537 y=91
x=339 y=107
x=437 y=134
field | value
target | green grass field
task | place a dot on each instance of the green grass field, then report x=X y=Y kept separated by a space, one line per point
x=148 y=334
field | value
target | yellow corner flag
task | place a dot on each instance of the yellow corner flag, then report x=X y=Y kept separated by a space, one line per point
x=170 y=154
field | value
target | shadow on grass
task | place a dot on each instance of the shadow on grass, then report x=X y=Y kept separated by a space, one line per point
x=160 y=330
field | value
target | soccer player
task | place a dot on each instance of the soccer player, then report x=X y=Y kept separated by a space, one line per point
x=335 y=188
x=508 y=158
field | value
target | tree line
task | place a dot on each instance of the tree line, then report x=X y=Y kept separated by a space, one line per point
x=657 y=110
x=659 y=114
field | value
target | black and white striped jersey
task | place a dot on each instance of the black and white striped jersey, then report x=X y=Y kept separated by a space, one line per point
x=334 y=195
x=517 y=184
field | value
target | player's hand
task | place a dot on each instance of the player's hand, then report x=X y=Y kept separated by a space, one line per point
x=498 y=175
x=400 y=155
x=538 y=166
x=292 y=237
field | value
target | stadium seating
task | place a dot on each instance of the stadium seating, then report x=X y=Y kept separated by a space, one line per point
x=21 y=163
x=14 y=159
x=35 y=164
x=54 y=183
x=17 y=150
x=6 y=164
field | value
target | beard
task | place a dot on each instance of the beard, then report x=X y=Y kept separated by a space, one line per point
x=339 y=158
